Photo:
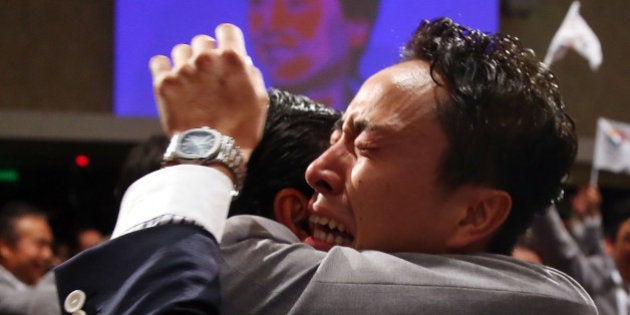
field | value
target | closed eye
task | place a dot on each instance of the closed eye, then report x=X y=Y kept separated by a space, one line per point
x=364 y=146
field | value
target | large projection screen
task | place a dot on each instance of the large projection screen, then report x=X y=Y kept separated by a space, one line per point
x=144 y=28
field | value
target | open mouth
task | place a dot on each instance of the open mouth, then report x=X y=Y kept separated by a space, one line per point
x=329 y=231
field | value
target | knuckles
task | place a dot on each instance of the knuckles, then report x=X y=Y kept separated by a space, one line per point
x=204 y=61
x=232 y=58
x=186 y=71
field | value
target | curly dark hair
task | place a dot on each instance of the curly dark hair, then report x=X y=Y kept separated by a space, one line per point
x=504 y=120
x=296 y=132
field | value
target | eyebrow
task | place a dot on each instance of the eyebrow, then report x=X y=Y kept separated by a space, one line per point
x=360 y=125
x=357 y=126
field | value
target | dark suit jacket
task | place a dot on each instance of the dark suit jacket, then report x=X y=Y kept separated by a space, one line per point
x=169 y=269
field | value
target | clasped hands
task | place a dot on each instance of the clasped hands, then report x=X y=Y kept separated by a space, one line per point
x=213 y=83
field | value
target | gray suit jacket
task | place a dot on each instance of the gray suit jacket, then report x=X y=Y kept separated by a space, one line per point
x=38 y=300
x=266 y=270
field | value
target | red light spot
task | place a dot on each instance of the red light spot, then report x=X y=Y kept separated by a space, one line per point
x=81 y=160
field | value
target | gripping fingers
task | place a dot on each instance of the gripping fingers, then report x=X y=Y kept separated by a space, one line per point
x=201 y=44
x=181 y=54
x=159 y=65
x=230 y=37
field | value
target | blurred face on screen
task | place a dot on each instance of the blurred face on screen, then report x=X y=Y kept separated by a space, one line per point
x=296 y=41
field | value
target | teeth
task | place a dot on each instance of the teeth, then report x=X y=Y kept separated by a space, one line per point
x=319 y=234
x=330 y=237
x=329 y=224
x=332 y=224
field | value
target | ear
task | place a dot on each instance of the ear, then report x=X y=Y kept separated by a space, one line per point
x=486 y=211
x=5 y=249
x=290 y=209
x=359 y=32
x=609 y=245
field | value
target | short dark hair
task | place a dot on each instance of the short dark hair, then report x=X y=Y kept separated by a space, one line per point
x=615 y=216
x=296 y=132
x=504 y=120
x=144 y=158
x=10 y=214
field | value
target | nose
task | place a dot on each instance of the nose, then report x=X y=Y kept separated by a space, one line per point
x=326 y=173
x=280 y=16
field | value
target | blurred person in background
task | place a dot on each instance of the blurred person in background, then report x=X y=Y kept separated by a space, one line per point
x=26 y=256
x=597 y=258
x=89 y=237
x=617 y=236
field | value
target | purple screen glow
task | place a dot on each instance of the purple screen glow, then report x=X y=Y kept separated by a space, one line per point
x=144 y=28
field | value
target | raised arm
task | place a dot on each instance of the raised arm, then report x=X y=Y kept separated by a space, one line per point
x=212 y=83
x=209 y=83
x=154 y=263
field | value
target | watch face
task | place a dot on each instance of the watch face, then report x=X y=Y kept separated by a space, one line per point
x=198 y=144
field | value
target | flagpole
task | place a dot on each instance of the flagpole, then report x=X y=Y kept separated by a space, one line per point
x=594 y=165
x=594 y=176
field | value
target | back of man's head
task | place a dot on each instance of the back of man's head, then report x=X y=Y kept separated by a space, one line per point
x=296 y=132
x=504 y=120
x=25 y=241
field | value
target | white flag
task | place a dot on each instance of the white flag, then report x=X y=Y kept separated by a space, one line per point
x=575 y=34
x=612 y=146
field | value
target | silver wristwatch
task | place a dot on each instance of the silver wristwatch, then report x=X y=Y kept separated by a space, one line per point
x=205 y=146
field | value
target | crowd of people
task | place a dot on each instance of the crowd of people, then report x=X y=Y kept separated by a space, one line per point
x=27 y=255
x=437 y=191
x=577 y=239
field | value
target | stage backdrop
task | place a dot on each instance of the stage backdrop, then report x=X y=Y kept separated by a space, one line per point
x=144 y=28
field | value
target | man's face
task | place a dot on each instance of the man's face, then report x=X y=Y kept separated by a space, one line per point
x=295 y=40
x=621 y=250
x=30 y=258
x=378 y=178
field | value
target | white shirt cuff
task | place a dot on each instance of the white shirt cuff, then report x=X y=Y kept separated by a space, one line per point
x=177 y=194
